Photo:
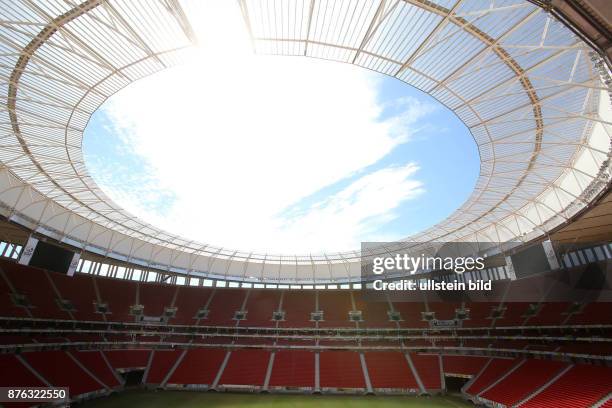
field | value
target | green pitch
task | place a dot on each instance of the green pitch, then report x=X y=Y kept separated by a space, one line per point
x=185 y=399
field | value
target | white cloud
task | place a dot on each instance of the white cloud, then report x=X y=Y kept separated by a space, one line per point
x=236 y=142
x=353 y=214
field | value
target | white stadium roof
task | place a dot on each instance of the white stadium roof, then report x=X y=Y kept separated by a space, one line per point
x=529 y=90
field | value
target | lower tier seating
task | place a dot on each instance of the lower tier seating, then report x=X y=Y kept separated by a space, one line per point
x=463 y=365
x=162 y=362
x=60 y=370
x=341 y=369
x=95 y=363
x=527 y=378
x=428 y=368
x=18 y=376
x=294 y=369
x=199 y=366
x=540 y=383
x=494 y=370
x=390 y=370
x=246 y=367
x=580 y=387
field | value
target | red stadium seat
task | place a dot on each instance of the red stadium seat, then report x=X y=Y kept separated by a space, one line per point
x=293 y=369
x=390 y=370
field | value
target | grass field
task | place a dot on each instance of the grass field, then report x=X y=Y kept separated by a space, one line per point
x=185 y=399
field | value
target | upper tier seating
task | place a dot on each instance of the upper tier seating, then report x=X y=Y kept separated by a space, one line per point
x=224 y=305
x=41 y=296
x=335 y=307
x=297 y=306
x=155 y=297
x=119 y=298
x=549 y=314
x=260 y=304
x=444 y=310
x=411 y=314
x=189 y=300
x=387 y=370
x=479 y=314
x=7 y=307
x=607 y=404
x=260 y=307
x=514 y=314
x=375 y=314
x=593 y=313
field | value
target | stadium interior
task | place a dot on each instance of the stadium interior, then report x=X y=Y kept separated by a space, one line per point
x=95 y=300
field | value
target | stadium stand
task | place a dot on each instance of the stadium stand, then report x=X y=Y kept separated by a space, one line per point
x=260 y=306
x=80 y=291
x=580 y=387
x=60 y=370
x=7 y=305
x=162 y=362
x=390 y=370
x=527 y=378
x=125 y=359
x=341 y=369
x=95 y=363
x=200 y=366
x=41 y=296
x=479 y=315
x=549 y=314
x=298 y=305
x=19 y=375
x=531 y=81
x=293 y=369
x=428 y=369
x=246 y=367
x=335 y=307
x=126 y=344
x=189 y=301
x=223 y=307
x=494 y=370
x=155 y=297
x=463 y=365
x=411 y=314
x=118 y=298
x=374 y=314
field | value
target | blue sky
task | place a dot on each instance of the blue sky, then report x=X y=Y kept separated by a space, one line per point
x=290 y=156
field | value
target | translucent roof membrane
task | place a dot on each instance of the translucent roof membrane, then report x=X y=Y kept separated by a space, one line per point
x=524 y=85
